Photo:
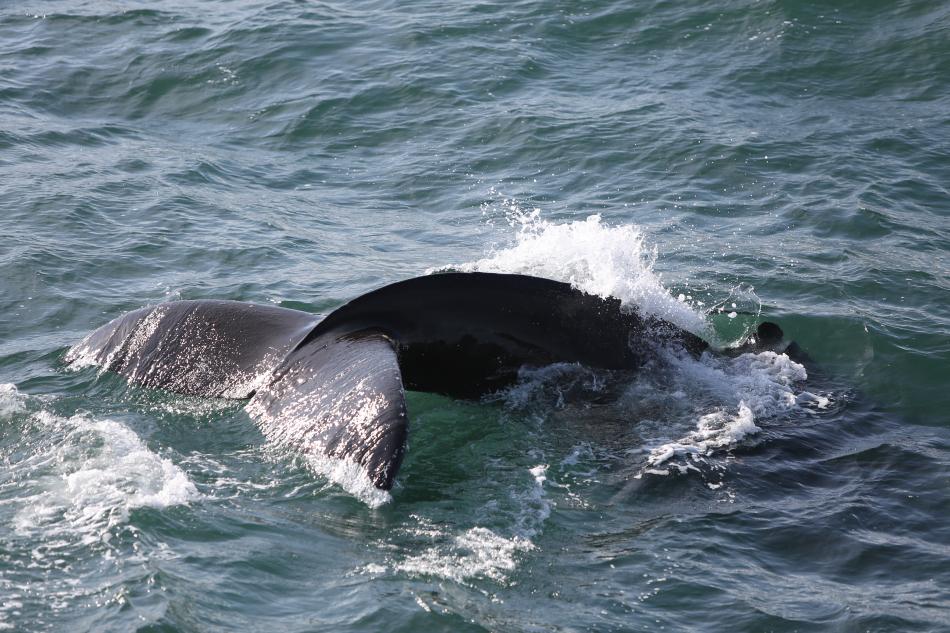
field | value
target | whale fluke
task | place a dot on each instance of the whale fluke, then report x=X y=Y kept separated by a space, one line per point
x=219 y=349
x=340 y=397
x=336 y=387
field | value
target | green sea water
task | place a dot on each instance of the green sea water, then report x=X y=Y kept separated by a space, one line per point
x=791 y=158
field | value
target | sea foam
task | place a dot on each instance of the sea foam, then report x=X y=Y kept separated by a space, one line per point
x=480 y=552
x=11 y=400
x=87 y=474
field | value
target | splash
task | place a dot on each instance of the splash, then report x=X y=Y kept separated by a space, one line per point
x=706 y=404
x=71 y=483
x=763 y=385
x=593 y=256
x=714 y=430
x=556 y=383
x=84 y=480
x=351 y=477
x=475 y=553
x=11 y=400
x=483 y=552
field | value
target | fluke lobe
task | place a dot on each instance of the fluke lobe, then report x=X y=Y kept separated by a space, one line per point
x=336 y=387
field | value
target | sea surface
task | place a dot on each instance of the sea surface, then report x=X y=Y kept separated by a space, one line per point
x=716 y=163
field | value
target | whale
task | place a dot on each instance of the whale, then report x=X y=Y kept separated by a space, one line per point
x=336 y=386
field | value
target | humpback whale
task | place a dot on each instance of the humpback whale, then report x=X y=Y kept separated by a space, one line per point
x=336 y=386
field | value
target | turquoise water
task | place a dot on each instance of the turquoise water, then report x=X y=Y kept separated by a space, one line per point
x=778 y=155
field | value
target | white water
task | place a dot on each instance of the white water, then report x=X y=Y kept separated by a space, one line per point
x=70 y=485
x=80 y=477
x=475 y=553
x=480 y=553
x=711 y=403
x=11 y=400
x=600 y=259
x=350 y=476
x=702 y=406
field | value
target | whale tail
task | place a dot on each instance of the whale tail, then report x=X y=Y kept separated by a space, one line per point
x=336 y=387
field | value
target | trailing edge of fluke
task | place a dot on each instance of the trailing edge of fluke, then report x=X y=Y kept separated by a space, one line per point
x=336 y=387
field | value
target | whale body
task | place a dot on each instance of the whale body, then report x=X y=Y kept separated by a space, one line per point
x=336 y=386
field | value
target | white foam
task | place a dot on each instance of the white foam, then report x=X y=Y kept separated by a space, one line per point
x=561 y=378
x=534 y=503
x=808 y=399
x=481 y=552
x=475 y=553
x=761 y=385
x=87 y=479
x=714 y=430
x=11 y=400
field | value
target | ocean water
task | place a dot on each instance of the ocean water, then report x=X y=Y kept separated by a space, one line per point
x=707 y=162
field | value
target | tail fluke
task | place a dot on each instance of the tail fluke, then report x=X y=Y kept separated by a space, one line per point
x=335 y=388
x=221 y=349
x=341 y=397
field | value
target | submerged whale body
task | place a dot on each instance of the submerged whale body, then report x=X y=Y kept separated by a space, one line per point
x=336 y=386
